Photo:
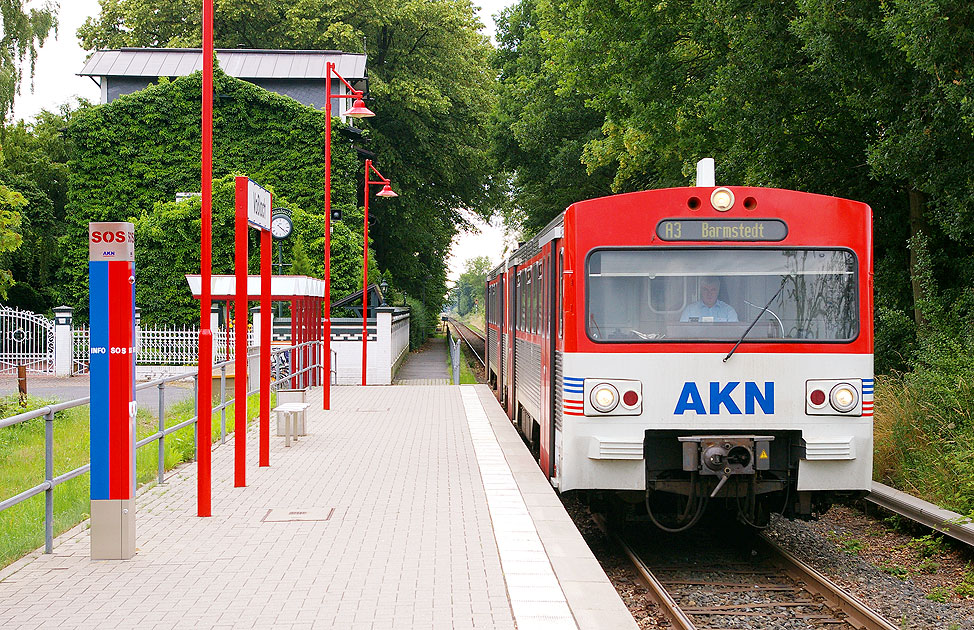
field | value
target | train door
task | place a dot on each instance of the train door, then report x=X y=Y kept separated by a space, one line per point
x=499 y=318
x=544 y=333
x=513 y=282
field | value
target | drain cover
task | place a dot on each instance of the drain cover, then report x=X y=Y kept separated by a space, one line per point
x=286 y=515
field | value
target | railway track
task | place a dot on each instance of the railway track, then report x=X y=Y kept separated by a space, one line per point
x=473 y=339
x=741 y=582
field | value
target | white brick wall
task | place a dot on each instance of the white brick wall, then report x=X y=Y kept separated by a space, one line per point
x=388 y=344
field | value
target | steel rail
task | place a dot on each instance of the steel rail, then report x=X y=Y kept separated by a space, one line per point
x=859 y=613
x=677 y=618
x=938 y=519
x=460 y=327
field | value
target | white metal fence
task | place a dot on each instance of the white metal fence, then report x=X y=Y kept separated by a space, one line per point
x=161 y=346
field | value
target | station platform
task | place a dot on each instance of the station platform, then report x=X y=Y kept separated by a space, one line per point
x=404 y=507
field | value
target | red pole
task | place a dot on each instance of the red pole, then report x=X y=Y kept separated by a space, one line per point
x=294 y=342
x=240 y=338
x=365 y=277
x=227 y=321
x=265 y=348
x=302 y=335
x=204 y=404
x=307 y=338
x=318 y=310
x=326 y=320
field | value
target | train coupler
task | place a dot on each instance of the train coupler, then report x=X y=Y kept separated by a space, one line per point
x=726 y=455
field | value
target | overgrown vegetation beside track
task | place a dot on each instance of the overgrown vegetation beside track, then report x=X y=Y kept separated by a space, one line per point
x=22 y=465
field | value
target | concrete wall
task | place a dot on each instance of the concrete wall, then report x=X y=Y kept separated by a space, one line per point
x=388 y=345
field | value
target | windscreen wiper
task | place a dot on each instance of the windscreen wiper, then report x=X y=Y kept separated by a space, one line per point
x=766 y=307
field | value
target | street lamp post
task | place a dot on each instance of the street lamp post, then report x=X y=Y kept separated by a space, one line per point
x=385 y=192
x=358 y=110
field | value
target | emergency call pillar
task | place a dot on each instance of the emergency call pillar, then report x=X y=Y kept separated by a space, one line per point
x=111 y=277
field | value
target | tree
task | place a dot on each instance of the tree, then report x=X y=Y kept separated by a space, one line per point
x=35 y=163
x=301 y=265
x=22 y=32
x=468 y=293
x=432 y=94
x=538 y=131
x=10 y=202
x=903 y=70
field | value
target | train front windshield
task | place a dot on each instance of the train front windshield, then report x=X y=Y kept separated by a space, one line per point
x=696 y=295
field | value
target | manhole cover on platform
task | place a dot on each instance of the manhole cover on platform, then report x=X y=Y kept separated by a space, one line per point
x=286 y=515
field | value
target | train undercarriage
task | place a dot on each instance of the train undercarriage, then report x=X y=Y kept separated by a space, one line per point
x=734 y=474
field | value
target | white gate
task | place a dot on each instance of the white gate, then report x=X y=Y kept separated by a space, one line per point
x=27 y=339
x=81 y=350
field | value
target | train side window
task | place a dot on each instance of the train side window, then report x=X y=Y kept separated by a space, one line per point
x=541 y=295
x=519 y=307
x=539 y=304
x=518 y=302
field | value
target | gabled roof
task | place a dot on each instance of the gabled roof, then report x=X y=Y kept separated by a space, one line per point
x=236 y=62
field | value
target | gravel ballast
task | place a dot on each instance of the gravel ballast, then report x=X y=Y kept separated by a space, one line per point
x=894 y=572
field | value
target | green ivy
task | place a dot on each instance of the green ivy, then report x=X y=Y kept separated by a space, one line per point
x=133 y=155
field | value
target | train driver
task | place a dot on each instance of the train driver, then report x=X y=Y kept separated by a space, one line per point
x=708 y=308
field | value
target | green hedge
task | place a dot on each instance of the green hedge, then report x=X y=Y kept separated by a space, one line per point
x=133 y=155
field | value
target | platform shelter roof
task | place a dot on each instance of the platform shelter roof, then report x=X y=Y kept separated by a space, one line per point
x=224 y=287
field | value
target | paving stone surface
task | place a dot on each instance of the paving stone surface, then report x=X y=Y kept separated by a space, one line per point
x=426 y=366
x=378 y=519
x=408 y=545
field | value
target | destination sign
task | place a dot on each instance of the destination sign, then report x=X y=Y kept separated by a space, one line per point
x=722 y=230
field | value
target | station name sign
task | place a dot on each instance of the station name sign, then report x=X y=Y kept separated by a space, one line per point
x=258 y=206
x=722 y=230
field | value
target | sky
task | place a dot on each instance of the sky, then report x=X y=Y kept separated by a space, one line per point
x=56 y=82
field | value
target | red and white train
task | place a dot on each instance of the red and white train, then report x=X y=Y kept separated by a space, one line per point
x=677 y=347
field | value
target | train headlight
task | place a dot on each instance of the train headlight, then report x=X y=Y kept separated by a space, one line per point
x=722 y=199
x=844 y=397
x=605 y=397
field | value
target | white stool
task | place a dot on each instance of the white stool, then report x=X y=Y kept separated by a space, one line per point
x=292 y=413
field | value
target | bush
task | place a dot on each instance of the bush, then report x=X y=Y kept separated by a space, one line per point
x=895 y=340
x=422 y=322
x=924 y=422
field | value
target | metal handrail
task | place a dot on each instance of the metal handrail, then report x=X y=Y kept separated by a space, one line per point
x=48 y=411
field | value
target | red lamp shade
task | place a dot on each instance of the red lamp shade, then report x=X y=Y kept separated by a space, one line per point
x=386 y=191
x=359 y=110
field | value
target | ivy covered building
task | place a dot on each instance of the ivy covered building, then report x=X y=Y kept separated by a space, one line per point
x=299 y=74
x=132 y=155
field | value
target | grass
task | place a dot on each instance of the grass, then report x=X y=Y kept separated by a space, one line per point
x=466 y=374
x=923 y=445
x=22 y=466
